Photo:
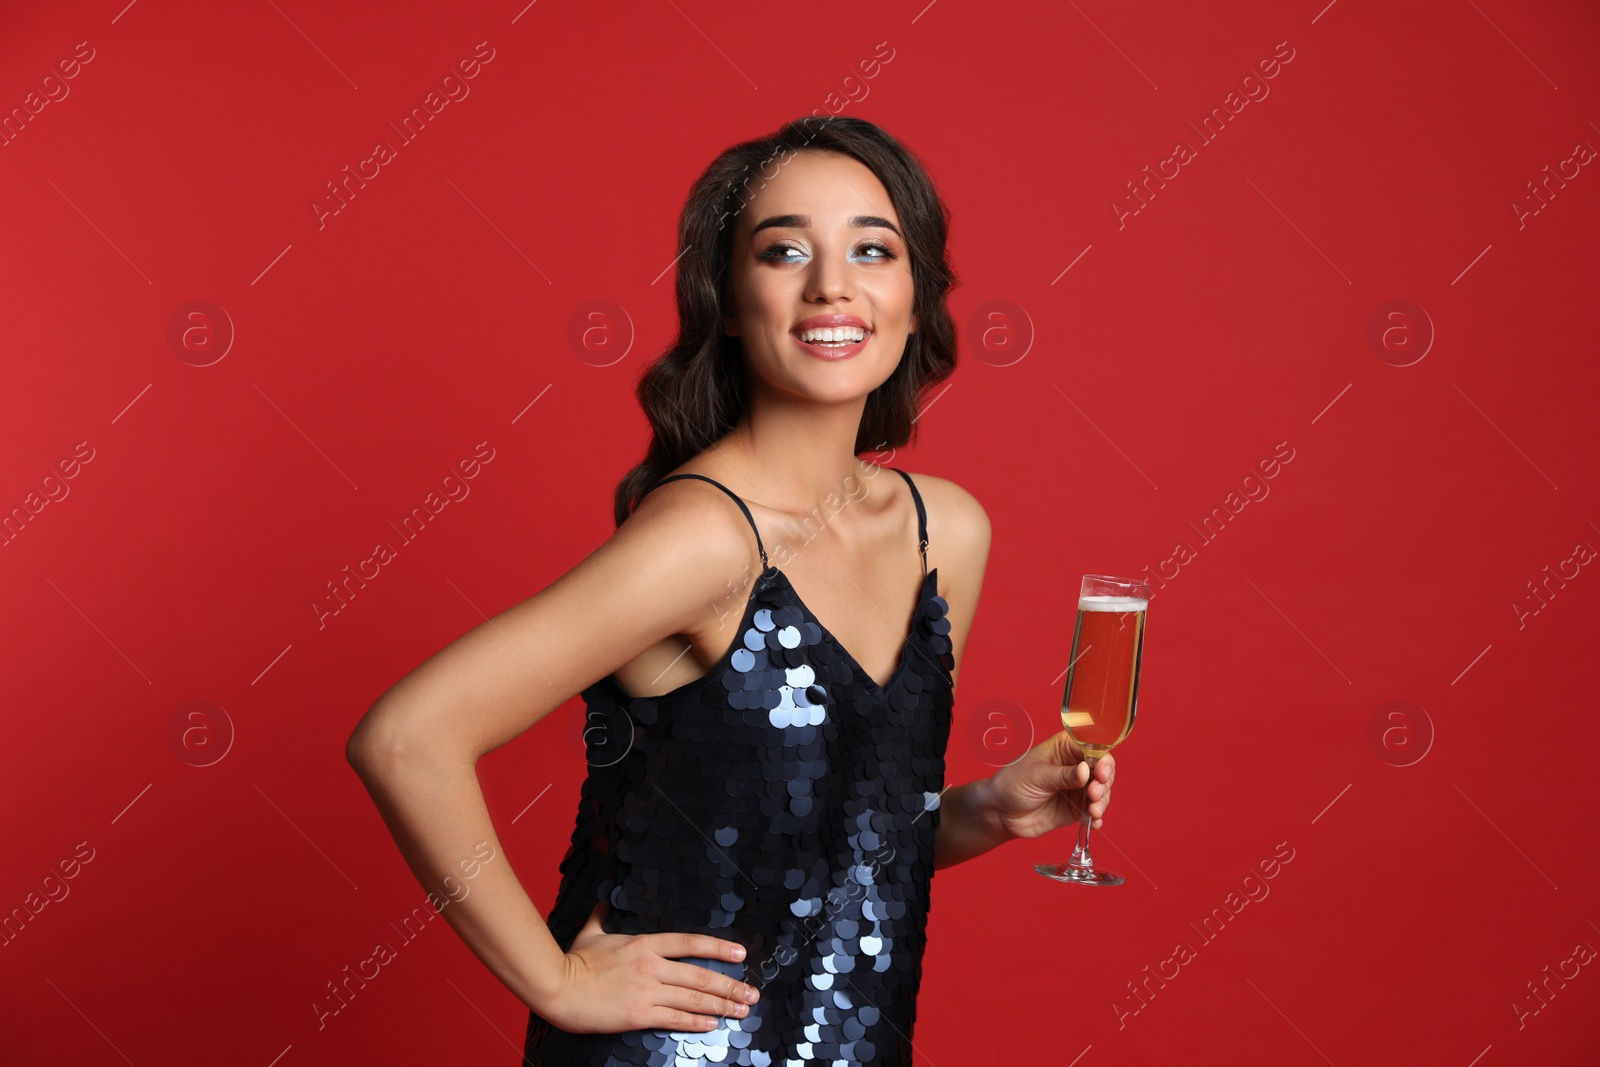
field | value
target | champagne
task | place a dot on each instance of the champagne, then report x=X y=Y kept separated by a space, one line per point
x=1103 y=679
x=1102 y=690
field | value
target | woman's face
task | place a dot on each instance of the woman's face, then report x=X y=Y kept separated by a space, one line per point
x=820 y=245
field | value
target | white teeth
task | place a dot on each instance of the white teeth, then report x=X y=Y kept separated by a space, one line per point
x=834 y=335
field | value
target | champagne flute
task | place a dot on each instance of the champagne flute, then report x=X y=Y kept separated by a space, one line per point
x=1097 y=707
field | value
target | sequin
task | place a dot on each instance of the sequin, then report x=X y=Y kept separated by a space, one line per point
x=785 y=801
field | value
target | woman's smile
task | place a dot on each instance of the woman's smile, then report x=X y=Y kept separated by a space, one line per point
x=831 y=337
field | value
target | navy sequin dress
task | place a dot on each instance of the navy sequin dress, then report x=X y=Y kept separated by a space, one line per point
x=783 y=800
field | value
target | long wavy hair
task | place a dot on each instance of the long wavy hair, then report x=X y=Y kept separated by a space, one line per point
x=696 y=391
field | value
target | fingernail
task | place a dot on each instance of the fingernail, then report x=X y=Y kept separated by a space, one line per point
x=738 y=952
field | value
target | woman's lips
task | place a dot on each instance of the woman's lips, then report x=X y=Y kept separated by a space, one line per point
x=831 y=353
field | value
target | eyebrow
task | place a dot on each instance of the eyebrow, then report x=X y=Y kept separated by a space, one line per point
x=856 y=222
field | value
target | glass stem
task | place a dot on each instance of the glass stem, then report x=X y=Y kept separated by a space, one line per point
x=1080 y=855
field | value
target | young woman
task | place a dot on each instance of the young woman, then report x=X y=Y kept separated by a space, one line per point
x=776 y=628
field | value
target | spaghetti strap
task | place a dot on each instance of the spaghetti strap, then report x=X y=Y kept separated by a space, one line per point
x=737 y=500
x=922 y=519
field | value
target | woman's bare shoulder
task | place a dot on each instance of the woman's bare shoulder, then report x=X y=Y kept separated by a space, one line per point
x=654 y=577
x=692 y=516
x=956 y=520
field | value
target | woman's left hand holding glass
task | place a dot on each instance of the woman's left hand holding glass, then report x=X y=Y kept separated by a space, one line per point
x=1044 y=789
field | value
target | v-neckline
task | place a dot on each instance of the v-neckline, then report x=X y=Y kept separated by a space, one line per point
x=930 y=587
x=929 y=581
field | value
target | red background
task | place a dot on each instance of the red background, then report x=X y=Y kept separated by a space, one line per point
x=1228 y=315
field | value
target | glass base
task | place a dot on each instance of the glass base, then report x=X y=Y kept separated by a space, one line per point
x=1065 y=872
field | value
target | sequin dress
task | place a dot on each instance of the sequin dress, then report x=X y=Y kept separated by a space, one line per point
x=784 y=800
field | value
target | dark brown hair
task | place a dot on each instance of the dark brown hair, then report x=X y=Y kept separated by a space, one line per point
x=695 y=392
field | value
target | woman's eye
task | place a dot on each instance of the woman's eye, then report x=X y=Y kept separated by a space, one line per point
x=778 y=253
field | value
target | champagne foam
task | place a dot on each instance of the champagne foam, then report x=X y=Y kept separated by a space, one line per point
x=1112 y=603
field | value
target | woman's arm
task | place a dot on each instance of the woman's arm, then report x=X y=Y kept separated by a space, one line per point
x=435 y=809
x=416 y=749
x=967 y=824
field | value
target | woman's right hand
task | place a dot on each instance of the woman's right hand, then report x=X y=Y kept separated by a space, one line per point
x=616 y=982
